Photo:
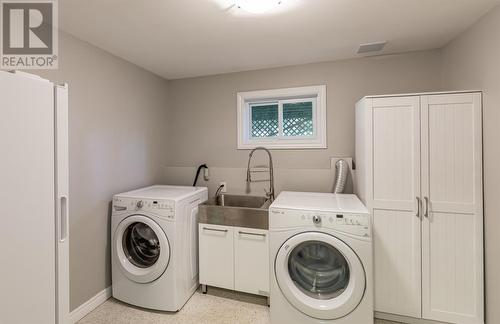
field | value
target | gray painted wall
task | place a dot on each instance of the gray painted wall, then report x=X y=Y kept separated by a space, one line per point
x=117 y=118
x=202 y=119
x=472 y=61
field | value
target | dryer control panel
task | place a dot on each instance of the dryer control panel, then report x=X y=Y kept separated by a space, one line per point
x=163 y=208
x=351 y=223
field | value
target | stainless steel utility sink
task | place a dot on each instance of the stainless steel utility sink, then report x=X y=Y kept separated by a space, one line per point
x=236 y=210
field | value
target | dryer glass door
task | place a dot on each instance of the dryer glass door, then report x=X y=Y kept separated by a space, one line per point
x=142 y=248
x=320 y=275
x=318 y=269
x=141 y=245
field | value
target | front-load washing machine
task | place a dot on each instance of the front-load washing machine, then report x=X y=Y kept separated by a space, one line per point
x=154 y=246
x=321 y=259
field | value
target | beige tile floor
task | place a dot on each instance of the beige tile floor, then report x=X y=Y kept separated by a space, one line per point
x=218 y=306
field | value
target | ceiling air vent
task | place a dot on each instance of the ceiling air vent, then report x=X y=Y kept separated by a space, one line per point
x=371 y=47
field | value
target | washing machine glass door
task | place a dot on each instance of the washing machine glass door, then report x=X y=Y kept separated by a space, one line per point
x=142 y=248
x=320 y=275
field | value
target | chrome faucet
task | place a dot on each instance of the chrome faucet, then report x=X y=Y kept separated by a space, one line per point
x=270 y=193
x=219 y=197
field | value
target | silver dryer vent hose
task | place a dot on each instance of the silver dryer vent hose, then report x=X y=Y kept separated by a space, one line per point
x=342 y=169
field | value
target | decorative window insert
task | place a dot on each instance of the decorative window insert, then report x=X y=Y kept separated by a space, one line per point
x=291 y=118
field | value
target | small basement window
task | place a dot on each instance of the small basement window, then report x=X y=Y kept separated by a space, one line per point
x=290 y=118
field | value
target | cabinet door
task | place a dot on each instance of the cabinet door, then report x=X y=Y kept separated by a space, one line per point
x=216 y=256
x=62 y=206
x=28 y=230
x=395 y=186
x=251 y=260
x=452 y=240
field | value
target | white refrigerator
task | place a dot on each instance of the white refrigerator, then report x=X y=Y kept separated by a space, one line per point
x=34 y=270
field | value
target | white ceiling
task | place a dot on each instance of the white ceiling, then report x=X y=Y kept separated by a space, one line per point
x=186 y=38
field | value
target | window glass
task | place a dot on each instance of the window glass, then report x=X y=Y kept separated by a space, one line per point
x=298 y=119
x=265 y=120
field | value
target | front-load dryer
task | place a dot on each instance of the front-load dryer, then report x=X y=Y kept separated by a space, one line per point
x=154 y=256
x=321 y=259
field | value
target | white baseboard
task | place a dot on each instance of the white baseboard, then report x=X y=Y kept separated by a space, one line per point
x=90 y=305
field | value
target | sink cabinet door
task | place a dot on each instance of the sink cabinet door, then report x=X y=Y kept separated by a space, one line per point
x=216 y=255
x=251 y=260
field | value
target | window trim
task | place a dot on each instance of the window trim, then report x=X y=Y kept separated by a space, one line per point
x=280 y=96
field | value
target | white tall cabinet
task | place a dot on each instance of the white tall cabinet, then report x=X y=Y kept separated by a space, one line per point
x=34 y=194
x=419 y=171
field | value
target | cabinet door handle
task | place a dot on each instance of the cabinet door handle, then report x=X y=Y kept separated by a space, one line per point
x=426 y=213
x=255 y=234
x=215 y=229
x=63 y=218
x=418 y=207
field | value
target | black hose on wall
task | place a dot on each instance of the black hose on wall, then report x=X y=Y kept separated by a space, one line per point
x=203 y=166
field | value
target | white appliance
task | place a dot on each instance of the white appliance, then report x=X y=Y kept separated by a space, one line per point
x=34 y=178
x=321 y=259
x=155 y=246
x=419 y=172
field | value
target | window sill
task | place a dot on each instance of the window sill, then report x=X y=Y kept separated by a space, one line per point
x=282 y=146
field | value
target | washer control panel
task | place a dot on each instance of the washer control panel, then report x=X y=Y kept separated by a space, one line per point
x=352 y=223
x=164 y=208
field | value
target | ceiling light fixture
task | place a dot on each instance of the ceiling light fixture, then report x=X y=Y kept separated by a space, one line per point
x=257 y=6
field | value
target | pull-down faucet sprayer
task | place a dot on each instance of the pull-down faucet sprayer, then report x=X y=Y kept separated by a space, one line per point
x=269 y=194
